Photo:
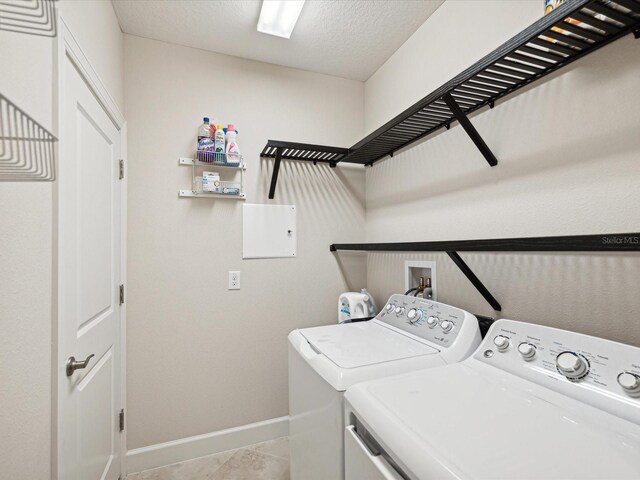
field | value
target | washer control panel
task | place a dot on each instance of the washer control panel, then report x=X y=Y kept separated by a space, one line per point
x=434 y=321
x=594 y=370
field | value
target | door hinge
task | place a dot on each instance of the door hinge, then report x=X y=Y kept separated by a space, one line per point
x=121 y=418
x=121 y=294
x=121 y=169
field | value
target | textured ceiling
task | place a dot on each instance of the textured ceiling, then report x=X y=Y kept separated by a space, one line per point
x=350 y=39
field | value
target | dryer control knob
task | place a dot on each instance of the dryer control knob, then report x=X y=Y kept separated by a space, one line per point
x=502 y=343
x=527 y=350
x=399 y=310
x=390 y=308
x=446 y=326
x=414 y=315
x=572 y=365
x=432 y=321
x=630 y=383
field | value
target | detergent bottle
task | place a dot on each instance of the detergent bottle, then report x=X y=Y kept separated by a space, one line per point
x=232 y=149
x=205 y=129
x=219 y=144
x=352 y=306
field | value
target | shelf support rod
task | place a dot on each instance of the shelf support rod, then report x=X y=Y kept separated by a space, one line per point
x=470 y=129
x=274 y=175
x=474 y=280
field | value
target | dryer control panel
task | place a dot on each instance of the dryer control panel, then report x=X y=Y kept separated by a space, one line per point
x=600 y=372
x=434 y=321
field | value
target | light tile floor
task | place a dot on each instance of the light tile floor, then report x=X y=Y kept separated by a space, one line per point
x=262 y=461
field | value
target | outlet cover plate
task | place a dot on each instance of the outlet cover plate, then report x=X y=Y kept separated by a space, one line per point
x=234 y=280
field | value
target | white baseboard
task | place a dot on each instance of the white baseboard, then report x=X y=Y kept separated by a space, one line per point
x=188 y=448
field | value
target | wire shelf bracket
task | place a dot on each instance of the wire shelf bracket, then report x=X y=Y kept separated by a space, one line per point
x=470 y=129
x=475 y=281
x=274 y=175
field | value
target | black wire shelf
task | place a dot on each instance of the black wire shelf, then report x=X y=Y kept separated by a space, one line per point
x=610 y=242
x=575 y=29
x=301 y=152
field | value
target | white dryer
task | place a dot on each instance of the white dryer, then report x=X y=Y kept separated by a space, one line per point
x=533 y=402
x=408 y=334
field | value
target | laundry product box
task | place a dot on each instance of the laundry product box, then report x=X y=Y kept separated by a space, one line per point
x=211 y=182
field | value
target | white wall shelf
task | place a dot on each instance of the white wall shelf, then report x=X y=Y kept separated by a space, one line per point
x=191 y=193
x=195 y=162
x=230 y=168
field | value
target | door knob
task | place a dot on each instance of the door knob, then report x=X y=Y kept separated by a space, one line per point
x=73 y=364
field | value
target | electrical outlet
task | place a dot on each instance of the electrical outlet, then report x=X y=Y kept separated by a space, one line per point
x=234 y=280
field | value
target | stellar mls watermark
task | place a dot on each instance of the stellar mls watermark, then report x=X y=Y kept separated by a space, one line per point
x=621 y=240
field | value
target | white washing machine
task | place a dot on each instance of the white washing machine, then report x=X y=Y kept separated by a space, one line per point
x=408 y=334
x=533 y=402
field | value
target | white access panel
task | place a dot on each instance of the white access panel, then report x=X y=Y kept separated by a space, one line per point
x=269 y=231
x=361 y=462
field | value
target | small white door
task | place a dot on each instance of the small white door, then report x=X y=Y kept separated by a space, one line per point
x=88 y=285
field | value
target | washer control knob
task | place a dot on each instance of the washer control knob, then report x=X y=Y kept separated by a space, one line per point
x=630 y=383
x=501 y=342
x=414 y=315
x=446 y=326
x=527 y=350
x=390 y=307
x=572 y=365
x=432 y=321
x=399 y=310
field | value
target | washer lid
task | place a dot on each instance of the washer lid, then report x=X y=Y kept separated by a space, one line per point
x=456 y=419
x=358 y=344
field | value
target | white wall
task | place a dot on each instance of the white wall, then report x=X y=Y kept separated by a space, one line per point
x=568 y=164
x=202 y=358
x=26 y=236
x=25 y=275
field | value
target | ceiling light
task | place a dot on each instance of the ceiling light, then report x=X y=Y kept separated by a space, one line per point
x=278 y=17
